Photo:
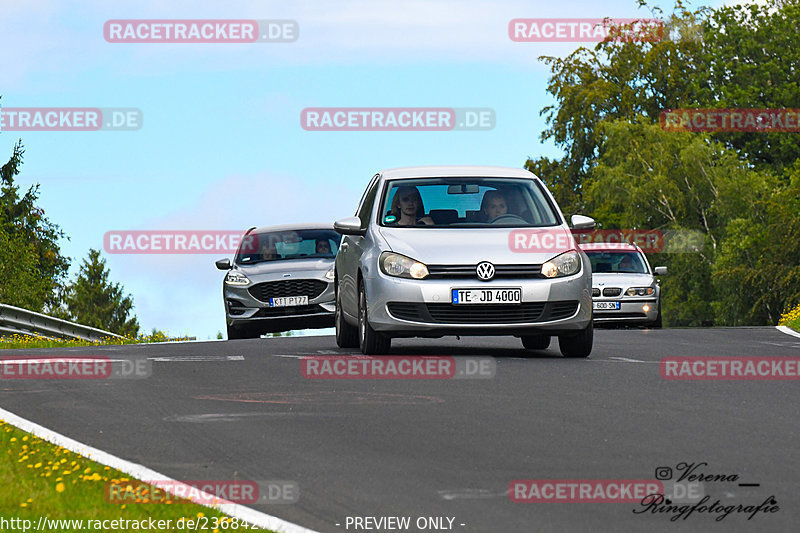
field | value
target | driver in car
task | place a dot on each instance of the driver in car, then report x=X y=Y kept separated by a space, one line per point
x=493 y=205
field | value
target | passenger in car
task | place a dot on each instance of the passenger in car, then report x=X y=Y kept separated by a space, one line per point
x=323 y=246
x=407 y=207
x=493 y=205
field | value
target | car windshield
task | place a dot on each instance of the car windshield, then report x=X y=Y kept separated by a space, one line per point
x=468 y=202
x=290 y=244
x=617 y=262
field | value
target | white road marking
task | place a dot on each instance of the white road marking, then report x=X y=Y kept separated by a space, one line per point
x=291 y=356
x=138 y=471
x=471 y=494
x=198 y=358
x=627 y=360
x=788 y=331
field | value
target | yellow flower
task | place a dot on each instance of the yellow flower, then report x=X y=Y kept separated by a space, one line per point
x=60 y=487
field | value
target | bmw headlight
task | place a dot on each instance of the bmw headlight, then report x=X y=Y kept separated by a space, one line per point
x=640 y=291
x=400 y=266
x=566 y=264
x=330 y=274
x=236 y=278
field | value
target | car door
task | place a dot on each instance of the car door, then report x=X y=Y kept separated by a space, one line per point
x=353 y=247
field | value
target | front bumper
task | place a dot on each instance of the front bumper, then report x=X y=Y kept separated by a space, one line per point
x=630 y=311
x=244 y=311
x=419 y=308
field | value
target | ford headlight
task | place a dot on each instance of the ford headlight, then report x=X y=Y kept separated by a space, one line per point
x=236 y=278
x=400 y=266
x=566 y=264
x=330 y=274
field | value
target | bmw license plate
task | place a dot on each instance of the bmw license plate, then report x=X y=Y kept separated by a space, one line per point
x=288 y=301
x=487 y=296
x=605 y=305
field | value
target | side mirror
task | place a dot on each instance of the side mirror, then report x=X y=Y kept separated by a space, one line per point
x=223 y=264
x=660 y=271
x=582 y=222
x=349 y=226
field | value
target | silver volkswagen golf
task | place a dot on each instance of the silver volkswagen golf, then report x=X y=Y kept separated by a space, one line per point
x=281 y=278
x=429 y=254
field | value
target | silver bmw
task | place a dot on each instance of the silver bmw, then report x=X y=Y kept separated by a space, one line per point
x=625 y=289
x=281 y=278
x=428 y=254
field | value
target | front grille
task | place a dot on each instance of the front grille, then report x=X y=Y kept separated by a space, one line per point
x=468 y=271
x=483 y=314
x=560 y=310
x=269 y=312
x=595 y=292
x=290 y=287
x=612 y=291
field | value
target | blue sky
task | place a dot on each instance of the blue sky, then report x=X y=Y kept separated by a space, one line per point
x=222 y=147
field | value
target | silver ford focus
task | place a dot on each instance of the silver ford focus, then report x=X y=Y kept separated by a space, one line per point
x=431 y=253
x=281 y=278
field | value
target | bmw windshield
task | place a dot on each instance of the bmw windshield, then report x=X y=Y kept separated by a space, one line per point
x=617 y=262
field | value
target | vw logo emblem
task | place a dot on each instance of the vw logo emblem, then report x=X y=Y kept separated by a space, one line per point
x=485 y=270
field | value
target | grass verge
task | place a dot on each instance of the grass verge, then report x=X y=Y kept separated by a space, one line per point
x=17 y=341
x=791 y=318
x=41 y=479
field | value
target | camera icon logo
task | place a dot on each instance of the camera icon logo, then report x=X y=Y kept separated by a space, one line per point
x=663 y=473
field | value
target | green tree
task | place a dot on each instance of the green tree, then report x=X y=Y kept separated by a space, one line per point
x=92 y=300
x=32 y=269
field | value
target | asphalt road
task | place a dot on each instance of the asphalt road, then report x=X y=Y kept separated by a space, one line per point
x=447 y=448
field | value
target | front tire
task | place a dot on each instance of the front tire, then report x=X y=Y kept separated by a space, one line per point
x=579 y=345
x=346 y=335
x=370 y=341
x=536 y=342
x=657 y=323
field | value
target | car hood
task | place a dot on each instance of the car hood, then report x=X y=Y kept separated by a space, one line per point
x=621 y=280
x=439 y=246
x=289 y=266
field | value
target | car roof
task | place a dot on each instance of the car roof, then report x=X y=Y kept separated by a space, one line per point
x=438 y=171
x=292 y=227
x=609 y=247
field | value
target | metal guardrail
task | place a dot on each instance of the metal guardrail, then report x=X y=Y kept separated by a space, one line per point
x=21 y=321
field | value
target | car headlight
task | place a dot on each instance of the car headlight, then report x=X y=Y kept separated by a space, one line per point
x=236 y=278
x=640 y=291
x=330 y=274
x=566 y=264
x=400 y=266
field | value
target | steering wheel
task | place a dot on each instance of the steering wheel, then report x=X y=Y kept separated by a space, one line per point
x=508 y=217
